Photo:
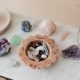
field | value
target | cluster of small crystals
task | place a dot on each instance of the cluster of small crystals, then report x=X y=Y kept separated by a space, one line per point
x=38 y=52
x=26 y=26
x=72 y=52
x=4 y=46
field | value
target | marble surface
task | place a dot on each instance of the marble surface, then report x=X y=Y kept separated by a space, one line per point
x=63 y=69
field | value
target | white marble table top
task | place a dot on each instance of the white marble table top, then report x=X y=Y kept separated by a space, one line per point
x=63 y=69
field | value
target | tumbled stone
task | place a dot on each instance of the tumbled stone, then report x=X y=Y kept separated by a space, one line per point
x=15 y=40
x=38 y=51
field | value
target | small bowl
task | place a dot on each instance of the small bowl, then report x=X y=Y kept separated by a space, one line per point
x=4 y=19
x=52 y=47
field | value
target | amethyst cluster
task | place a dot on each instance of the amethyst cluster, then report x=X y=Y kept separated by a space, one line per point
x=5 y=47
x=72 y=52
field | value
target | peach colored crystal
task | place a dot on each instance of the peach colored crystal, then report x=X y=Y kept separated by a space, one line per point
x=47 y=27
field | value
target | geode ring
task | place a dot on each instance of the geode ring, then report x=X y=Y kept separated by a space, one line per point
x=40 y=56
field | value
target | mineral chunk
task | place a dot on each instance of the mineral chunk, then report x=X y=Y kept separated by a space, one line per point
x=47 y=27
x=72 y=52
x=15 y=40
x=4 y=47
x=26 y=26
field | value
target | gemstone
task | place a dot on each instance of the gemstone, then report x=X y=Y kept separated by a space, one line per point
x=15 y=40
x=26 y=26
x=5 y=47
x=38 y=51
x=44 y=56
x=47 y=27
x=72 y=51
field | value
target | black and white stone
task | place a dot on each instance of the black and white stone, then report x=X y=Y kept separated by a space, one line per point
x=39 y=53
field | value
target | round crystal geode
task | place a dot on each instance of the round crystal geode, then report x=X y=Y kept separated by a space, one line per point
x=38 y=51
x=4 y=47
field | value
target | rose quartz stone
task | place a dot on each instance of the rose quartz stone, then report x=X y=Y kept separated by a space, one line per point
x=47 y=27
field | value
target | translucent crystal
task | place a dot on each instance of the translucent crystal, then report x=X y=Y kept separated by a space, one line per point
x=4 y=46
x=15 y=40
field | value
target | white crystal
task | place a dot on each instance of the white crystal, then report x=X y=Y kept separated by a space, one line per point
x=43 y=56
x=47 y=27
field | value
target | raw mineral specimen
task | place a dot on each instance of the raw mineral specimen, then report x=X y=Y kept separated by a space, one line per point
x=5 y=47
x=26 y=26
x=72 y=52
x=15 y=40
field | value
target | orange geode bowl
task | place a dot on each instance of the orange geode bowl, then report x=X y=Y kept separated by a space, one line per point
x=52 y=47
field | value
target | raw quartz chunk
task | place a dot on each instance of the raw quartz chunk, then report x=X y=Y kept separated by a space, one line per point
x=4 y=47
x=72 y=51
x=47 y=27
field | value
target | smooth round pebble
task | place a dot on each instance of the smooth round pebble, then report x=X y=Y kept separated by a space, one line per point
x=15 y=40
x=47 y=27
x=72 y=51
x=43 y=56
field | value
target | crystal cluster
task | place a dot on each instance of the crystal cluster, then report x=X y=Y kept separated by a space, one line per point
x=26 y=26
x=72 y=52
x=4 y=47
